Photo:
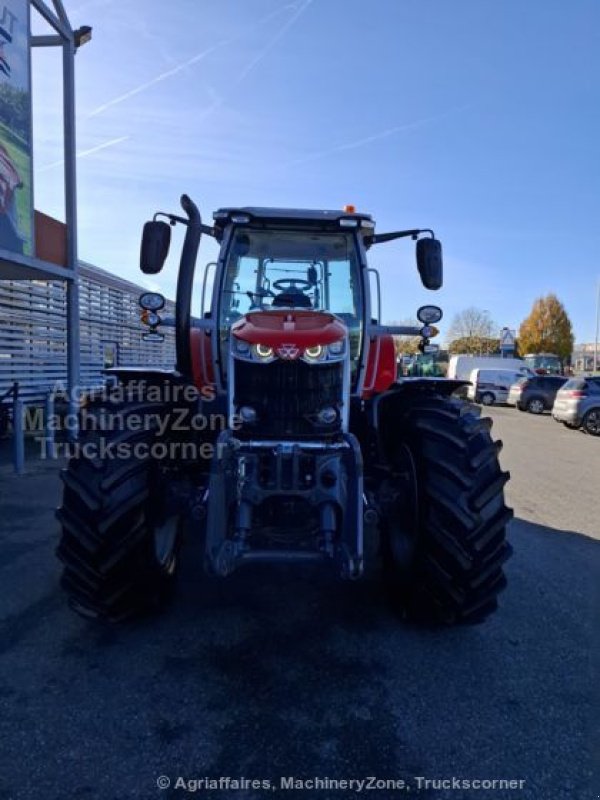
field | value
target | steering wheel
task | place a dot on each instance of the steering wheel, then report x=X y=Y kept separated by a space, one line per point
x=284 y=284
x=261 y=293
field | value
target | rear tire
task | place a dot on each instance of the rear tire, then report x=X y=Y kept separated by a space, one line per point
x=535 y=406
x=120 y=540
x=591 y=422
x=487 y=399
x=459 y=542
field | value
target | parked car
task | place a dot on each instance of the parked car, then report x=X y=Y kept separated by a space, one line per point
x=491 y=386
x=577 y=404
x=536 y=394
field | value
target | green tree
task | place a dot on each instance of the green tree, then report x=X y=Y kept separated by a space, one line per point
x=547 y=329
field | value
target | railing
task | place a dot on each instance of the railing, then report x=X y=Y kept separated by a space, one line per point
x=33 y=342
x=33 y=349
x=13 y=411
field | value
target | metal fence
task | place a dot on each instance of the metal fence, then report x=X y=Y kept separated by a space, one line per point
x=33 y=339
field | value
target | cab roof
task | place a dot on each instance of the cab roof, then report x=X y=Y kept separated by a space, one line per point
x=296 y=216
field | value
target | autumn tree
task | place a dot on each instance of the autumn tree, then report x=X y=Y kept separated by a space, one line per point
x=472 y=331
x=547 y=329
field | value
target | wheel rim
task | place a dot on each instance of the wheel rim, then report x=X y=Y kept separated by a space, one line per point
x=536 y=406
x=165 y=540
x=592 y=423
x=487 y=399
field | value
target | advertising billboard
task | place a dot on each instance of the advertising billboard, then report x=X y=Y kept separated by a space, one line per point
x=16 y=195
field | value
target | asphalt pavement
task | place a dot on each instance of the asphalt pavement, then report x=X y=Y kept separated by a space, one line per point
x=277 y=672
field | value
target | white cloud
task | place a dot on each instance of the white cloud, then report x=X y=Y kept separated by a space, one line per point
x=375 y=137
x=90 y=151
x=198 y=57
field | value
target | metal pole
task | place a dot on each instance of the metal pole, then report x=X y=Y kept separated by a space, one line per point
x=49 y=427
x=73 y=344
x=18 y=437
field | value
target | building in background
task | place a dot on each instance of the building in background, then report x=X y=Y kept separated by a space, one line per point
x=583 y=357
x=33 y=332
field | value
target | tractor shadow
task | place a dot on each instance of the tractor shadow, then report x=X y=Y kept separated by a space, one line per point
x=311 y=675
x=280 y=671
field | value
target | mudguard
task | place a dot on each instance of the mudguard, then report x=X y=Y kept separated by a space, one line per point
x=391 y=402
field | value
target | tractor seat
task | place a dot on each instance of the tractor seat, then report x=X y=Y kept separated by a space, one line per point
x=289 y=298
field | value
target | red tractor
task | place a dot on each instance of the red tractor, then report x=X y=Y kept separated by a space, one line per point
x=283 y=435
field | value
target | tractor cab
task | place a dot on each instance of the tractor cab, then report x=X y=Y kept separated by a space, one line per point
x=286 y=273
x=303 y=261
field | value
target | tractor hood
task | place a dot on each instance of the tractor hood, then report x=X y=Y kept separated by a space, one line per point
x=289 y=327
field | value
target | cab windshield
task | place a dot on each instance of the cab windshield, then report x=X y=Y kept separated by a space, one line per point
x=274 y=270
x=544 y=362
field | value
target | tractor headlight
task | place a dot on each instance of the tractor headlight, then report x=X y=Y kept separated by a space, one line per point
x=327 y=416
x=324 y=352
x=314 y=353
x=263 y=351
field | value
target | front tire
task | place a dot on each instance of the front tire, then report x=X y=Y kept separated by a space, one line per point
x=120 y=539
x=487 y=399
x=458 y=545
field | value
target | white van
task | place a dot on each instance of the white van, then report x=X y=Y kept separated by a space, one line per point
x=491 y=386
x=461 y=366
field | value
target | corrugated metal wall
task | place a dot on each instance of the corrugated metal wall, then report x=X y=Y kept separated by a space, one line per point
x=33 y=334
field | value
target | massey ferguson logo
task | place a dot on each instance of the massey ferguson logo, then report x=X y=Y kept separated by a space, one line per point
x=288 y=351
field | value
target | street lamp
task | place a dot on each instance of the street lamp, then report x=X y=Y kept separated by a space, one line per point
x=82 y=35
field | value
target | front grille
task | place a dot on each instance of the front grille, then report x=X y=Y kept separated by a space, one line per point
x=287 y=396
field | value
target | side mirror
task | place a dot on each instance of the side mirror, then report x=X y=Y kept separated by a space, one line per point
x=156 y=240
x=429 y=262
x=428 y=315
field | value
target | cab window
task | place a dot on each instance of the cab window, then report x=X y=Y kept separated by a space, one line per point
x=270 y=270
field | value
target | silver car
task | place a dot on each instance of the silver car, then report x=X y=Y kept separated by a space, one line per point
x=577 y=404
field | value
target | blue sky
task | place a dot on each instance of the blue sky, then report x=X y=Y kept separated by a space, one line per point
x=477 y=118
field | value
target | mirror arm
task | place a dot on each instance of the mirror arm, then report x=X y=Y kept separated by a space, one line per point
x=379 y=238
x=394 y=330
x=174 y=219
